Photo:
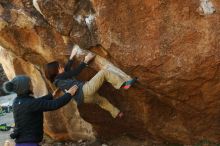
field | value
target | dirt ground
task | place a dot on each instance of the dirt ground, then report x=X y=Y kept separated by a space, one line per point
x=120 y=141
x=4 y=135
x=8 y=119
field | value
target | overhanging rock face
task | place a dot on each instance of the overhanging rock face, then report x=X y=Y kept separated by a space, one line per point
x=171 y=46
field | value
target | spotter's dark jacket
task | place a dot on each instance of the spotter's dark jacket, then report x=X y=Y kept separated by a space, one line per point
x=28 y=115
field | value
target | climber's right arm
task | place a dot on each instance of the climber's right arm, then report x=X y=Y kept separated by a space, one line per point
x=70 y=61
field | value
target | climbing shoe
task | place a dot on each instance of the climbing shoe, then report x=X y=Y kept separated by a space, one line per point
x=126 y=85
x=120 y=115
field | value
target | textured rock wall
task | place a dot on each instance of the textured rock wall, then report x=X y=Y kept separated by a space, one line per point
x=171 y=45
x=3 y=78
x=28 y=42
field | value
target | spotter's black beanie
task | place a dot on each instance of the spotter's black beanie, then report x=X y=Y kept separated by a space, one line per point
x=20 y=85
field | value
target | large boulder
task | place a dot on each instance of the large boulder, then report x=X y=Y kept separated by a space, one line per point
x=172 y=46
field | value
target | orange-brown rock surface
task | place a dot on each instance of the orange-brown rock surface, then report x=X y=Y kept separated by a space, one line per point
x=171 y=45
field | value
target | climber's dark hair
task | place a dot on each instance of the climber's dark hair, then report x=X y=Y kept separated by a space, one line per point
x=51 y=70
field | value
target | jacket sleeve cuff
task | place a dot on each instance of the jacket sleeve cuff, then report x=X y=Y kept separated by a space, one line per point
x=68 y=94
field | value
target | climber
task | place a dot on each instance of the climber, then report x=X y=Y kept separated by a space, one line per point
x=28 y=111
x=64 y=77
